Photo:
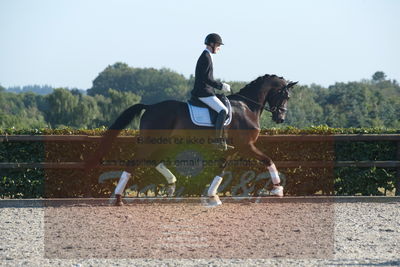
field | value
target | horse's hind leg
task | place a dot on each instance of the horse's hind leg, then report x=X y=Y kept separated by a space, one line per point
x=123 y=180
x=144 y=151
x=213 y=189
x=169 y=176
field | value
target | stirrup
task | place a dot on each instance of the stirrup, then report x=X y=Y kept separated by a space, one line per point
x=222 y=145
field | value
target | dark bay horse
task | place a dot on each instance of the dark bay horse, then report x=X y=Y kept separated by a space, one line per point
x=171 y=118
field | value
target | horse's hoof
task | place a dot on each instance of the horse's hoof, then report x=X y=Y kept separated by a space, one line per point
x=214 y=201
x=171 y=190
x=118 y=201
x=277 y=191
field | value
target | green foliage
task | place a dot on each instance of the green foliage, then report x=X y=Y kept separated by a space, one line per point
x=366 y=104
x=379 y=76
x=37 y=89
x=150 y=84
x=62 y=104
x=364 y=181
x=20 y=111
x=21 y=183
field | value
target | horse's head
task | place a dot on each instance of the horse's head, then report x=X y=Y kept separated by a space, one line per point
x=272 y=89
x=278 y=97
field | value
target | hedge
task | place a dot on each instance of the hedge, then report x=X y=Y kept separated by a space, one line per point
x=238 y=180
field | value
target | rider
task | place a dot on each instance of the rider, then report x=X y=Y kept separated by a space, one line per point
x=204 y=85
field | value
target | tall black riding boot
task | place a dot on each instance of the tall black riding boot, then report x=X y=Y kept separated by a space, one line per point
x=219 y=128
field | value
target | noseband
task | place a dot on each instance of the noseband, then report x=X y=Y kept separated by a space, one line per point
x=282 y=94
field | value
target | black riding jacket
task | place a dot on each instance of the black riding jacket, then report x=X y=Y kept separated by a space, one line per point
x=204 y=82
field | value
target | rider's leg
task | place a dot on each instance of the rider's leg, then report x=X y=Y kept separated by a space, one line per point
x=219 y=125
x=216 y=104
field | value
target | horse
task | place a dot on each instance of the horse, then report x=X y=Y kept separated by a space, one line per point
x=167 y=118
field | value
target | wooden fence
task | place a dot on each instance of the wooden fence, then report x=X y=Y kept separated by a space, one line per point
x=394 y=164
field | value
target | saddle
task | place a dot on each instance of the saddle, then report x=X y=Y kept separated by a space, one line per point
x=203 y=115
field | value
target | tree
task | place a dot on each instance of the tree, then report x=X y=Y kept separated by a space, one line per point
x=379 y=76
x=85 y=113
x=150 y=84
x=118 y=76
x=111 y=107
x=369 y=103
x=14 y=112
x=303 y=110
x=62 y=104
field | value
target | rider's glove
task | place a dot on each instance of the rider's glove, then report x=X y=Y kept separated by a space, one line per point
x=226 y=87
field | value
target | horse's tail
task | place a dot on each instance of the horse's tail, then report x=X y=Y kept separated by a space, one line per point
x=126 y=117
x=113 y=131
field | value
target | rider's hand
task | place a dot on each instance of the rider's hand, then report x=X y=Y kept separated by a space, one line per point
x=226 y=87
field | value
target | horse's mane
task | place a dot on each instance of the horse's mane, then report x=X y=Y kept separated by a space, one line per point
x=250 y=89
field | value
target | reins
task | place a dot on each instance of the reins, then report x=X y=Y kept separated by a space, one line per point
x=261 y=105
x=251 y=100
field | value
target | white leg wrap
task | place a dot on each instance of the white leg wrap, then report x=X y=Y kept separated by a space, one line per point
x=274 y=174
x=161 y=168
x=212 y=190
x=122 y=183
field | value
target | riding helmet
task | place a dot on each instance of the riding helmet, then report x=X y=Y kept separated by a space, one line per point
x=213 y=38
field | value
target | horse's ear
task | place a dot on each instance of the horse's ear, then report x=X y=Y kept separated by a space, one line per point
x=291 y=84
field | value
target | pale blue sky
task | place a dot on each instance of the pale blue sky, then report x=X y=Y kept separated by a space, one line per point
x=68 y=42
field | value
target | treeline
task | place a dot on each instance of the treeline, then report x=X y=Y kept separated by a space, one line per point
x=372 y=102
x=38 y=89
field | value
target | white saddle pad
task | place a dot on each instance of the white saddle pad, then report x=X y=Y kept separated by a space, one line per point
x=201 y=116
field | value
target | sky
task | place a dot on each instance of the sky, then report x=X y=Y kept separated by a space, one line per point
x=67 y=43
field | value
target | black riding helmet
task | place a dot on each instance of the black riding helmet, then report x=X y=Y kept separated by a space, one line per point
x=213 y=38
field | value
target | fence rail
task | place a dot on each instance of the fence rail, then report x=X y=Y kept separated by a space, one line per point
x=267 y=138
x=279 y=164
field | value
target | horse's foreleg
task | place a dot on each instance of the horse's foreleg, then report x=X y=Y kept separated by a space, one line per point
x=212 y=190
x=276 y=180
x=213 y=199
x=253 y=151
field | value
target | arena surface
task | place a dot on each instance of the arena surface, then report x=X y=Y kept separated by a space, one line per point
x=311 y=231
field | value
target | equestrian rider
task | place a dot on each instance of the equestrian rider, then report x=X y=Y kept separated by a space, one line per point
x=205 y=84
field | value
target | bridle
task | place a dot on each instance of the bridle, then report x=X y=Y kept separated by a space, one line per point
x=283 y=94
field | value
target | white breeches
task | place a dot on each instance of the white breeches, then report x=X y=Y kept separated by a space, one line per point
x=214 y=103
